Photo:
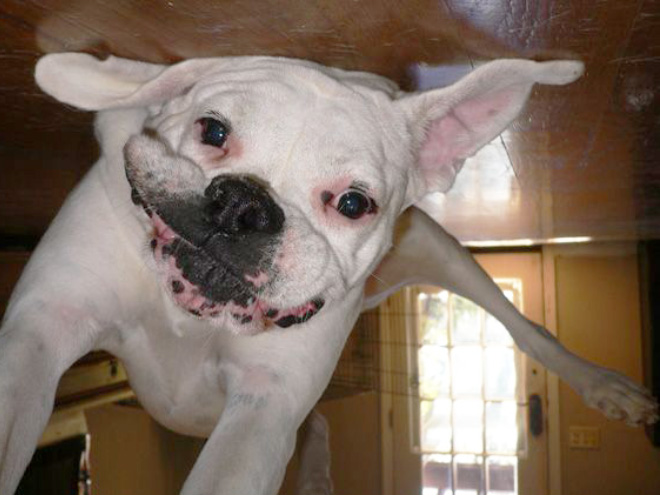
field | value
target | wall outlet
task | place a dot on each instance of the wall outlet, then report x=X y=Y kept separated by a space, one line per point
x=584 y=437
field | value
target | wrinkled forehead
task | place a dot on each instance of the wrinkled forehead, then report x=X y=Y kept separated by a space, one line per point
x=301 y=105
x=297 y=90
x=345 y=133
x=250 y=69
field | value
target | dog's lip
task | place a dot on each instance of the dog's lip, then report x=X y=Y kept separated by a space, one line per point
x=257 y=309
x=260 y=311
x=300 y=314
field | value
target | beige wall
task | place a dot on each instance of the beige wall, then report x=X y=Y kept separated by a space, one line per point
x=598 y=318
x=132 y=455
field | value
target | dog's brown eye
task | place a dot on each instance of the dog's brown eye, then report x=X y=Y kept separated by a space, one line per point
x=214 y=132
x=354 y=204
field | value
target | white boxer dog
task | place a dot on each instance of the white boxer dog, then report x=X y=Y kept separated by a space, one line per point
x=221 y=245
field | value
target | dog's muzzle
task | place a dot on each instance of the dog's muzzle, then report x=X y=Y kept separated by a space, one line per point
x=214 y=246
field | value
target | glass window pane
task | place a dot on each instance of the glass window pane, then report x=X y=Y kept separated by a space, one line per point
x=436 y=474
x=467 y=372
x=502 y=475
x=436 y=425
x=468 y=426
x=469 y=474
x=433 y=314
x=465 y=321
x=495 y=333
x=500 y=373
x=468 y=395
x=501 y=428
x=433 y=372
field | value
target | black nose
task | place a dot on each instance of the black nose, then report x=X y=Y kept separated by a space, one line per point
x=240 y=206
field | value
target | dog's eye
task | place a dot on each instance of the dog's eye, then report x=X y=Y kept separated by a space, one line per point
x=214 y=132
x=354 y=204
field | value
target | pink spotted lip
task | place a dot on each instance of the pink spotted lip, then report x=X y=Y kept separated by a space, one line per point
x=189 y=296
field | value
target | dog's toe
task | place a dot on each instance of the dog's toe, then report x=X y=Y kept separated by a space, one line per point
x=619 y=398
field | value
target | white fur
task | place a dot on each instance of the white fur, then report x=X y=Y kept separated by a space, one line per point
x=298 y=127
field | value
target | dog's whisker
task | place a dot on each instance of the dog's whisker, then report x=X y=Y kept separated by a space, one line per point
x=378 y=279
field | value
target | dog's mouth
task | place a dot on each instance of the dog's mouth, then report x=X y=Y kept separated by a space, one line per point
x=211 y=289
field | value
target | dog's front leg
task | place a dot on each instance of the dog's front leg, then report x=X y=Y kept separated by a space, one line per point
x=271 y=381
x=248 y=450
x=36 y=347
x=425 y=253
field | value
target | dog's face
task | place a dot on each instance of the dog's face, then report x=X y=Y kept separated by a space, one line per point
x=268 y=201
x=270 y=187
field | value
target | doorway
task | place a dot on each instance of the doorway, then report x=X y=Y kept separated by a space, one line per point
x=462 y=407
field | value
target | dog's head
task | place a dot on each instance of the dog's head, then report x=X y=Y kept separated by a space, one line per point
x=273 y=185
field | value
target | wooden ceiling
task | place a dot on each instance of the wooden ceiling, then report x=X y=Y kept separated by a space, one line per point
x=580 y=161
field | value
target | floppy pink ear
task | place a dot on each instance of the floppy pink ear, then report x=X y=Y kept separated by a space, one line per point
x=452 y=123
x=88 y=83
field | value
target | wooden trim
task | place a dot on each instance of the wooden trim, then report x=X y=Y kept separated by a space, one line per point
x=386 y=406
x=554 y=437
x=97 y=375
x=69 y=420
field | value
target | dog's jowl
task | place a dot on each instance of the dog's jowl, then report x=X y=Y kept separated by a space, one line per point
x=221 y=244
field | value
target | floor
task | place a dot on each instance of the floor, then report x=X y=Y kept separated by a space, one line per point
x=580 y=161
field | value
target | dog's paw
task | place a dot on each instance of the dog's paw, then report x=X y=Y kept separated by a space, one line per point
x=618 y=397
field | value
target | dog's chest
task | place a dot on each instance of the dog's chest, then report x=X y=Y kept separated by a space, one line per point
x=174 y=370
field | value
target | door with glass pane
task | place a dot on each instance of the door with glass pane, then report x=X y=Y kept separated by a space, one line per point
x=461 y=422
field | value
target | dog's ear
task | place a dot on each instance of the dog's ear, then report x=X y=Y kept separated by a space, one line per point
x=450 y=124
x=88 y=83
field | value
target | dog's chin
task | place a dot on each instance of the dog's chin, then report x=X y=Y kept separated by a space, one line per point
x=247 y=311
x=260 y=317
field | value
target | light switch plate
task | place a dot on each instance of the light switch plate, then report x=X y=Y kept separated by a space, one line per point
x=584 y=437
